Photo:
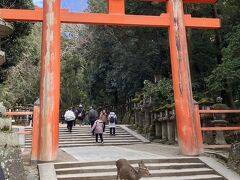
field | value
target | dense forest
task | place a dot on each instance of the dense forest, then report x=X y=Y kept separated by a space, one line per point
x=108 y=65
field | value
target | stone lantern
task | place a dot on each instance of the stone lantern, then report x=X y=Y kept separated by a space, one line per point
x=5 y=30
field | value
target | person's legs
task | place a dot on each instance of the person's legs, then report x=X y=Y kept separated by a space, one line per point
x=92 y=123
x=104 y=124
x=114 y=131
x=71 y=125
x=80 y=122
x=101 y=137
x=110 y=131
x=68 y=125
x=97 y=138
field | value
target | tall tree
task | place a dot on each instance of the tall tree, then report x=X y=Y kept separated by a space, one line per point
x=11 y=45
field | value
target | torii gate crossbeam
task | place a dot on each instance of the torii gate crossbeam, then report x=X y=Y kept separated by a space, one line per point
x=189 y=135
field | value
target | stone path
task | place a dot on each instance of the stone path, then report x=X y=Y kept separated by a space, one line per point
x=97 y=162
x=81 y=136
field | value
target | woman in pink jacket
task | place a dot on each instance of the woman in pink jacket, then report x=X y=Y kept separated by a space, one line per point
x=97 y=128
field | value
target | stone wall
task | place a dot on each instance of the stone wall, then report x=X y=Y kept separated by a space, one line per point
x=11 y=162
x=157 y=126
x=10 y=159
x=234 y=157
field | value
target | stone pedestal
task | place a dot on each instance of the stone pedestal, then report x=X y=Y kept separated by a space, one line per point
x=142 y=116
x=171 y=131
x=206 y=122
x=219 y=139
x=164 y=130
x=158 y=130
x=176 y=134
x=147 y=118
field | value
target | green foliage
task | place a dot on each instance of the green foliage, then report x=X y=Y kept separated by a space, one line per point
x=228 y=73
x=4 y=129
x=161 y=93
x=13 y=45
x=127 y=118
x=220 y=106
x=22 y=81
x=106 y=66
x=206 y=101
x=74 y=86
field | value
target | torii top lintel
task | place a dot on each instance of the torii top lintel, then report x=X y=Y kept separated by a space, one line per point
x=188 y=1
x=116 y=16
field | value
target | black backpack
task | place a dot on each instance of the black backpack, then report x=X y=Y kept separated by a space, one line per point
x=112 y=119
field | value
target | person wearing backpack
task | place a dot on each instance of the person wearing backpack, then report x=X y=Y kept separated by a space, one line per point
x=81 y=114
x=70 y=117
x=112 y=118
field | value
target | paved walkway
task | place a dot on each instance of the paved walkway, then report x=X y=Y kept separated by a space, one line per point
x=107 y=153
x=136 y=151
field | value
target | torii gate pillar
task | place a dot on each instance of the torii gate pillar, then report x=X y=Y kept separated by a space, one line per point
x=188 y=134
x=50 y=81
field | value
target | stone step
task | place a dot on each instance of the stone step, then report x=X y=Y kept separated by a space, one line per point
x=109 y=168
x=195 y=177
x=91 y=138
x=154 y=173
x=77 y=128
x=82 y=136
x=162 y=160
x=66 y=141
x=93 y=141
x=87 y=144
x=86 y=136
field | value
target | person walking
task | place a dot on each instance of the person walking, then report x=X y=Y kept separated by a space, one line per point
x=112 y=118
x=103 y=117
x=81 y=114
x=62 y=117
x=70 y=118
x=75 y=110
x=97 y=128
x=92 y=116
x=30 y=119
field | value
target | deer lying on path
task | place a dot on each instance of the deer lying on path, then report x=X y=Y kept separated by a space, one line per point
x=127 y=172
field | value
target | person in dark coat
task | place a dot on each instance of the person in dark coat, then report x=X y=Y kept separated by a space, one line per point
x=81 y=114
x=92 y=116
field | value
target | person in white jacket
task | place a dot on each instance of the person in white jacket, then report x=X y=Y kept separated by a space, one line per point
x=112 y=119
x=70 y=118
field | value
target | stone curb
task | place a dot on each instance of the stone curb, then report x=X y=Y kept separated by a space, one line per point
x=47 y=171
x=218 y=155
x=133 y=133
x=219 y=168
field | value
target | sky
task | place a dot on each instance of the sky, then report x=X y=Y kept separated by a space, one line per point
x=72 y=5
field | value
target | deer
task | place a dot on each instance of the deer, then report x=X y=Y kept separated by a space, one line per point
x=127 y=172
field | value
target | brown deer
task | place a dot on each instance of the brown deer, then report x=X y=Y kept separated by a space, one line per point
x=127 y=172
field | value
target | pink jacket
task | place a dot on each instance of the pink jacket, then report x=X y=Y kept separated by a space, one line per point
x=98 y=127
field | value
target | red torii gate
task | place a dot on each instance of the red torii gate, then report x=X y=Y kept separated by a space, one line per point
x=189 y=133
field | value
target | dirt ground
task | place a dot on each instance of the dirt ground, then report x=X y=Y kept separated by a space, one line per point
x=31 y=168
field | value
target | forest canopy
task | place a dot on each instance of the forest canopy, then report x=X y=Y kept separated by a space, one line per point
x=108 y=65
